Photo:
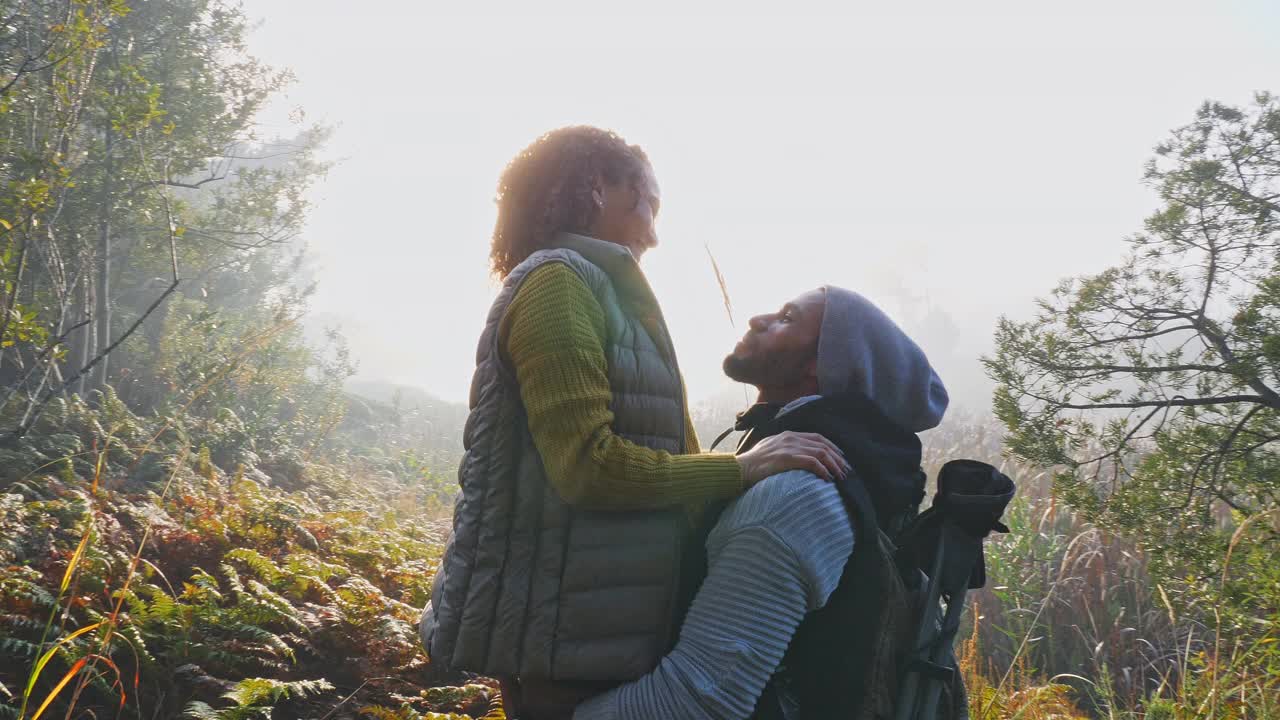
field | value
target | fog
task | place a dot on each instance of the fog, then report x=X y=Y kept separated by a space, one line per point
x=951 y=161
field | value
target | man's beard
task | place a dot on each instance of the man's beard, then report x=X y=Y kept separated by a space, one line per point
x=778 y=370
x=740 y=369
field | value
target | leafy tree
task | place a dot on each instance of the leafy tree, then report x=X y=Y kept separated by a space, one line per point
x=1153 y=384
x=133 y=178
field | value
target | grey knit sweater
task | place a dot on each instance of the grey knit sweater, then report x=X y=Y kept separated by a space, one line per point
x=776 y=553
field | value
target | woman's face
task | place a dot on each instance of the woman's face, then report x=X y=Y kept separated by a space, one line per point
x=627 y=212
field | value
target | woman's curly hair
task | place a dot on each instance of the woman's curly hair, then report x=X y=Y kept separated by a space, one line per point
x=546 y=189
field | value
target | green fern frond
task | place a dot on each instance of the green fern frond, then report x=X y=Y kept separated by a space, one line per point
x=23 y=589
x=131 y=632
x=202 y=586
x=280 y=609
x=260 y=564
x=30 y=491
x=11 y=647
x=382 y=712
x=272 y=642
x=265 y=691
x=197 y=710
x=21 y=622
x=233 y=578
x=320 y=586
x=162 y=608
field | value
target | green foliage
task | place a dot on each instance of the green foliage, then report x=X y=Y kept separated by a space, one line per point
x=131 y=173
x=444 y=703
x=1151 y=386
x=238 y=578
x=255 y=698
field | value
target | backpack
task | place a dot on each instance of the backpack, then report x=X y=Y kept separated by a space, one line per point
x=912 y=573
x=939 y=558
x=911 y=589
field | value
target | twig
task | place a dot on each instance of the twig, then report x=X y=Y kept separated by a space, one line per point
x=36 y=410
x=1175 y=402
x=35 y=363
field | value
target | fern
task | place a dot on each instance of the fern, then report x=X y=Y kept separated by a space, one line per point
x=264 y=691
x=257 y=562
x=254 y=698
x=11 y=647
x=197 y=710
x=202 y=587
x=405 y=712
x=20 y=584
x=162 y=608
x=233 y=579
x=311 y=582
x=287 y=574
x=131 y=633
x=308 y=564
x=21 y=623
x=260 y=606
x=381 y=712
x=272 y=642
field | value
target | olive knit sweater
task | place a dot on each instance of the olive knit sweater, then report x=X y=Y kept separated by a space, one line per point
x=553 y=335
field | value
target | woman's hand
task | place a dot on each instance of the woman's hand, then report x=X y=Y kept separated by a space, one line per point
x=793 y=451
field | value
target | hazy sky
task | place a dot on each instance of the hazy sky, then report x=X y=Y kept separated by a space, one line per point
x=949 y=160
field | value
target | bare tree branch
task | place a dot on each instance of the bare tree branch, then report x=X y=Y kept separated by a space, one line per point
x=35 y=363
x=1175 y=402
x=38 y=408
x=1209 y=330
x=1135 y=369
x=174 y=183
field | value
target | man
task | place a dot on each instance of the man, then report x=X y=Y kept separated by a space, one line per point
x=799 y=611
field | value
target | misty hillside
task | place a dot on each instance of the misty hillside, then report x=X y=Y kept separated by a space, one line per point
x=378 y=411
x=425 y=422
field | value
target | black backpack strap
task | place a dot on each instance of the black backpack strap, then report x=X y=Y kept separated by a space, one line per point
x=862 y=511
x=946 y=541
x=720 y=438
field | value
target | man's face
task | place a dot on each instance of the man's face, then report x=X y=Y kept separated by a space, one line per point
x=780 y=350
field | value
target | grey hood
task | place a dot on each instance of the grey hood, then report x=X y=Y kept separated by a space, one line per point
x=861 y=350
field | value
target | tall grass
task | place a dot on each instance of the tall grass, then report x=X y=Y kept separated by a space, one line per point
x=1071 y=621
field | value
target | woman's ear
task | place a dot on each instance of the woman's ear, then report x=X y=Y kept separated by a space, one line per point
x=597 y=192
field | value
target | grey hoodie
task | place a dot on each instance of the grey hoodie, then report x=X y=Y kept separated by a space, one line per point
x=861 y=349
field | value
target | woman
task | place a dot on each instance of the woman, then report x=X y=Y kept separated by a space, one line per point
x=575 y=542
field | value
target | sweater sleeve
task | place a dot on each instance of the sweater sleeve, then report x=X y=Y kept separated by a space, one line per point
x=776 y=553
x=554 y=336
